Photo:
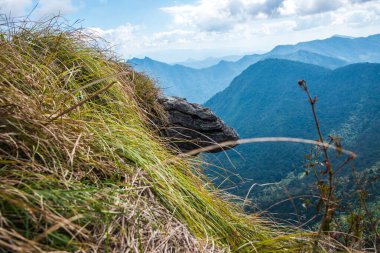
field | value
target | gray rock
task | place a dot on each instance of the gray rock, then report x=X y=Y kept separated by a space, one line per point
x=191 y=125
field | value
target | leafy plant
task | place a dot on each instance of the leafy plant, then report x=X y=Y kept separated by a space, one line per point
x=359 y=217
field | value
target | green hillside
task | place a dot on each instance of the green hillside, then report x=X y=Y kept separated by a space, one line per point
x=265 y=101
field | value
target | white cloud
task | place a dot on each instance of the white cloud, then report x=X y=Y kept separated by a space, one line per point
x=54 y=7
x=350 y=16
x=17 y=8
x=245 y=26
x=14 y=7
x=312 y=21
x=130 y=39
x=225 y=15
x=249 y=25
x=220 y=15
x=118 y=36
x=307 y=7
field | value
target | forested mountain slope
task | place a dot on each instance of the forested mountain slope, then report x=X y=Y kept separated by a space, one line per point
x=266 y=101
x=198 y=85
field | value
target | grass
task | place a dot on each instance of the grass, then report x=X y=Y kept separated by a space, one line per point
x=83 y=169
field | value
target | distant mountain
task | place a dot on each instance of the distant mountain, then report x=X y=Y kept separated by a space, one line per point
x=300 y=55
x=265 y=100
x=343 y=36
x=333 y=52
x=312 y=58
x=351 y=50
x=198 y=85
x=208 y=62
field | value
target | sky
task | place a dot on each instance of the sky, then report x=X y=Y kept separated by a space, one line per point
x=175 y=31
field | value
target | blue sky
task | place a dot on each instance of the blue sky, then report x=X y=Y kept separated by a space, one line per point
x=174 y=31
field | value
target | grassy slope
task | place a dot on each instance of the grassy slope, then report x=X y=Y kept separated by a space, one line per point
x=81 y=170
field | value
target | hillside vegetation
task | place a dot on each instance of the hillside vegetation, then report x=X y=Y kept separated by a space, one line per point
x=82 y=168
x=259 y=103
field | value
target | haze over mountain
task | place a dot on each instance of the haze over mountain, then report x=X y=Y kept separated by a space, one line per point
x=208 y=62
x=265 y=100
x=352 y=50
x=198 y=85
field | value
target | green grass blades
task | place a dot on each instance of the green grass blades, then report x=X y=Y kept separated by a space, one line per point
x=82 y=168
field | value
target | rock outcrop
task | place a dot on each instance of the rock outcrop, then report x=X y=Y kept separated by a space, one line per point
x=191 y=125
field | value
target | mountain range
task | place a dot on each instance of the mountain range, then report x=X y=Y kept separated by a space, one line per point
x=208 y=62
x=198 y=85
x=259 y=103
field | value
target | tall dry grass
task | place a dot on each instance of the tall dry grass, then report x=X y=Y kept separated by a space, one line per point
x=81 y=168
